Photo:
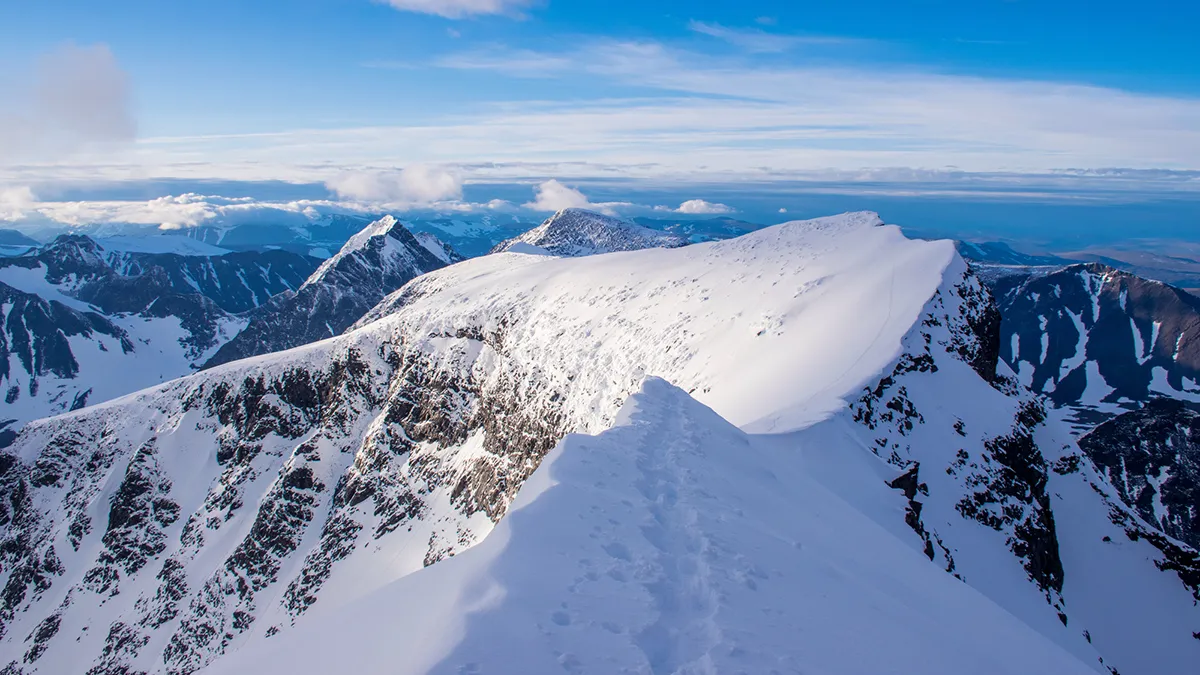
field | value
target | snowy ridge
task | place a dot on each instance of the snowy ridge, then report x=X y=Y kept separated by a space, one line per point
x=577 y=232
x=165 y=530
x=673 y=542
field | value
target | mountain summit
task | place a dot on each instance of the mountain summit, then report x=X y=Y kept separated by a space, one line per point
x=577 y=232
x=379 y=259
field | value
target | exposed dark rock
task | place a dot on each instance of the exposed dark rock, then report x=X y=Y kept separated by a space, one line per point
x=1152 y=458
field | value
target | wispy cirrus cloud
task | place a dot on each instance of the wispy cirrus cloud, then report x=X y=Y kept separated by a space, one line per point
x=756 y=40
x=457 y=9
x=687 y=114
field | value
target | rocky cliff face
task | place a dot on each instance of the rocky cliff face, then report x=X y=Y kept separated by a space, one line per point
x=376 y=261
x=157 y=533
x=1152 y=458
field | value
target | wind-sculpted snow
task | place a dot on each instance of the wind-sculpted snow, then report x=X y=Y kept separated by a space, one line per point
x=671 y=543
x=159 y=532
x=576 y=232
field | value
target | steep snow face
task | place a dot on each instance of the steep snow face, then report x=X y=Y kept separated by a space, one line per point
x=999 y=496
x=1098 y=341
x=163 y=531
x=672 y=543
x=374 y=262
x=441 y=250
x=576 y=232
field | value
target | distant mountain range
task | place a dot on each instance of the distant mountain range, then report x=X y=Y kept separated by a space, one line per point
x=577 y=232
x=83 y=324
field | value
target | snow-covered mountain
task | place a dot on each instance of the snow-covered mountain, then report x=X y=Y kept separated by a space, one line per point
x=577 y=232
x=816 y=479
x=80 y=323
x=374 y=262
x=1099 y=341
x=673 y=542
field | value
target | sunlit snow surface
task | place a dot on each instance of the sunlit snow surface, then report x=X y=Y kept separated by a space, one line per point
x=736 y=519
x=672 y=543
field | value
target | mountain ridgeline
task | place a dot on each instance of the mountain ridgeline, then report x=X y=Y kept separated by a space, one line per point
x=374 y=262
x=83 y=324
x=250 y=517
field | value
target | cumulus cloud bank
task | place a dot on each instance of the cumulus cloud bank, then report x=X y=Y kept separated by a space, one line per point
x=14 y=202
x=411 y=185
x=457 y=9
x=554 y=196
x=699 y=206
x=75 y=98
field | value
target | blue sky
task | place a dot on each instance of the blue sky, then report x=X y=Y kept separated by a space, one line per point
x=351 y=94
x=224 y=66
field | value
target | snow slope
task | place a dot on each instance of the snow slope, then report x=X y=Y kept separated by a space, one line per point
x=169 y=529
x=671 y=543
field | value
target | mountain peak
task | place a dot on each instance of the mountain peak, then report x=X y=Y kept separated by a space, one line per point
x=370 y=236
x=578 y=232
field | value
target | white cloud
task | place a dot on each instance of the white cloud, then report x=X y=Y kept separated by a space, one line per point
x=554 y=196
x=14 y=201
x=699 y=206
x=457 y=9
x=76 y=98
x=418 y=184
x=704 y=117
x=177 y=212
